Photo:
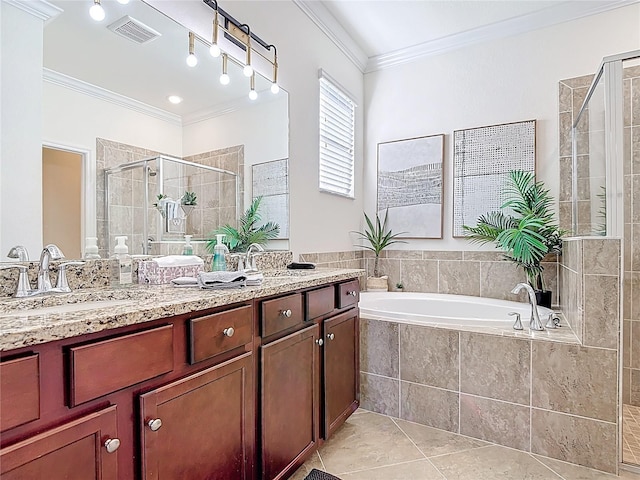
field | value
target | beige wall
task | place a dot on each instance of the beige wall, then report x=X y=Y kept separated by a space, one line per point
x=62 y=201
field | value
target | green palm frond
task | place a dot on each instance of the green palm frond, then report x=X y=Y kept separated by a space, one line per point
x=239 y=239
x=524 y=227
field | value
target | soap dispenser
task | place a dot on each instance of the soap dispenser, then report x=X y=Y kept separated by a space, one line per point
x=219 y=254
x=124 y=263
x=187 y=249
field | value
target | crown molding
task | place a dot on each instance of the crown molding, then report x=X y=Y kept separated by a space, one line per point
x=225 y=108
x=60 y=79
x=562 y=12
x=327 y=23
x=38 y=8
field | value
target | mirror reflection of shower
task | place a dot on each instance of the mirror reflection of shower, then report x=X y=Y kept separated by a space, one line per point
x=156 y=201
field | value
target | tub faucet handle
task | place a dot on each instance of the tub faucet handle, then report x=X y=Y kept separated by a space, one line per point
x=518 y=324
x=553 y=321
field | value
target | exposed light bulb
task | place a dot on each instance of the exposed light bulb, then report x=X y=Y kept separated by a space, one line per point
x=253 y=94
x=123 y=2
x=275 y=88
x=215 y=50
x=192 y=60
x=247 y=70
x=224 y=79
x=97 y=12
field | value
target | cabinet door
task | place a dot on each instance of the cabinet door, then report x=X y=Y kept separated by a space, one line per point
x=290 y=400
x=202 y=426
x=83 y=449
x=341 y=369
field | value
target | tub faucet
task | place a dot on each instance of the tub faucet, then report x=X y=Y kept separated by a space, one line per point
x=534 y=322
x=50 y=252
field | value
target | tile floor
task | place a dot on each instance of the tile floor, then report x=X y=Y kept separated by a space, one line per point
x=370 y=446
x=631 y=434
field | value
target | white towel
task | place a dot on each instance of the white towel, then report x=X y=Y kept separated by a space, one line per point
x=179 y=261
x=185 y=282
x=254 y=279
x=216 y=280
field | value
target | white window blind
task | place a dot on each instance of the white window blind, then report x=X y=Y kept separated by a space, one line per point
x=337 y=137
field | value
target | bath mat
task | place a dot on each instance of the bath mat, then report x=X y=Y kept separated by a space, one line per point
x=320 y=475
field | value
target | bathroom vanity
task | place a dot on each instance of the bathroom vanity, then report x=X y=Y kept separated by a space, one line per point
x=180 y=383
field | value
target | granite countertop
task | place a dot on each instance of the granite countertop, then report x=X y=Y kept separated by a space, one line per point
x=36 y=320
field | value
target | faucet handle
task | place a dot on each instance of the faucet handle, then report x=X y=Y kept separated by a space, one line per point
x=553 y=321
x=62 y=285
x=518 y=324
x=23 y=287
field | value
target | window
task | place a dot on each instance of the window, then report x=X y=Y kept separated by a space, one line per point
x=337 y=134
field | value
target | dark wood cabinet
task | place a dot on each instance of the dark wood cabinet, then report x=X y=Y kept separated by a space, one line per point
x=341 y=369
x=289 y=400
x=83 y=449
x=202 y=426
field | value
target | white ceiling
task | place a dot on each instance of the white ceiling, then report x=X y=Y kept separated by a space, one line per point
x=379 y=33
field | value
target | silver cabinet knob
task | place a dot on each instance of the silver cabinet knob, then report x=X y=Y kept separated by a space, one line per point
x=331 y=336
x=286 y=313
x=154 y=424
x=228 y=332
x=112 y=444
x=353 y=293
x=320 y=342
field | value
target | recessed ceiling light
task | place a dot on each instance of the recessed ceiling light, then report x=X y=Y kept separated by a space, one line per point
x=174 y=99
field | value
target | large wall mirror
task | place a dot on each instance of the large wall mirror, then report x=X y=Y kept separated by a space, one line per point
x=106 y=104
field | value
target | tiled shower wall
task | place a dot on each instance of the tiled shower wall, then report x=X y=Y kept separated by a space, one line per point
x=216 y=197
x=631 y=263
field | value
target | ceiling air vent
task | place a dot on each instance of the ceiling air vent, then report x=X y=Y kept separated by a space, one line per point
x=133 y=29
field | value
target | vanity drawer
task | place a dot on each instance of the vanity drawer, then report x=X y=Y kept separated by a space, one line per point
x=281 y=313
x=19 y=391
x=107 y=366
x=218 y=333
x=320 y=302
x=348 y=293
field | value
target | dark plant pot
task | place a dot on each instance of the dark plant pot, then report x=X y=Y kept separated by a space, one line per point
x=543 y=298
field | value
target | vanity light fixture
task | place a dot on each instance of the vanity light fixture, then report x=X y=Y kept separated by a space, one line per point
x=175 y=99
x=96 y=11
x=215 y=49
x=192 y=60
x=275 y=88
x=252 y=93
x=224 y=78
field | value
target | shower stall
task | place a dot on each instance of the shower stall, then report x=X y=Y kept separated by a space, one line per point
x=605 y=200
x=156 y=201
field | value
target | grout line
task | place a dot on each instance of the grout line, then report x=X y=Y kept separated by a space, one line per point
x=546 y=466
x=410 y=439
x=399 y=376
x=321 y=461
x=459 y=382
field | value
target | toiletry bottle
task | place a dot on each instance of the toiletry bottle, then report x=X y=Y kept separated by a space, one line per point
x=187 y=249
x=219 y=252
x=121 y=253
x=91 y=248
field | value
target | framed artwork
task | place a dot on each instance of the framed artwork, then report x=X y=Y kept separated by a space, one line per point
x=410 y=185
x=270 y=180
x=482 y=159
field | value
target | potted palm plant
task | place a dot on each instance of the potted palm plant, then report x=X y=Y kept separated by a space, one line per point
x=239 y=239
x=524 y=228
x=378 y=237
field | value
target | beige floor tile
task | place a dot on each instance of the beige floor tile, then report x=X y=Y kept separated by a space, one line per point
x=432 y=441
x=569 y=471
x=418 y=470
x=367 y=441
x=492 y=463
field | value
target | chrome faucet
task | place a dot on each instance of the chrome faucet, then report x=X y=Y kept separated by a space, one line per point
x=50 y=252
x=250 y=258
x=19 y=252
x=534 y=322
